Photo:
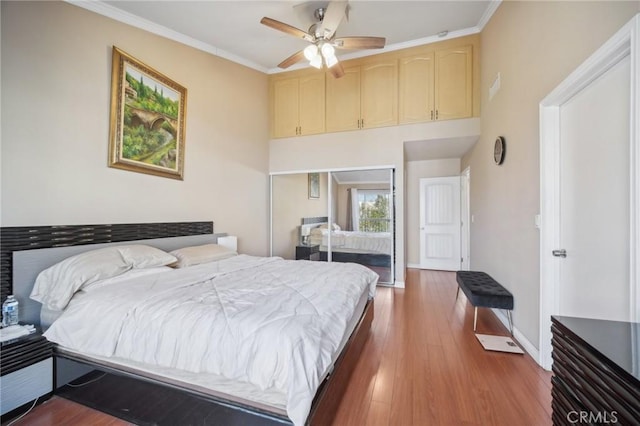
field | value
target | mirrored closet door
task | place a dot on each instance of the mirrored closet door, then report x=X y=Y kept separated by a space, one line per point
x=340 y=216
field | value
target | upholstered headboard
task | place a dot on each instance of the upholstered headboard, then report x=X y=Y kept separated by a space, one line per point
x=25 y=251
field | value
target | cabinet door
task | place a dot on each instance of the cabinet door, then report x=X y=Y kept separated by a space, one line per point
x=453 y=83
x=312 y=105
x=379 y=96
x=343 y=101
x=285 y=108
x=416 y=89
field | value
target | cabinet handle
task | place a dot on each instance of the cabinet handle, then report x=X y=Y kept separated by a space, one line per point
x=436 y=114
x=362 y=123
x=300 y=130
x=432 y=115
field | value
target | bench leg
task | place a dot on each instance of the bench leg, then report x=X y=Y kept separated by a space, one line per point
x=475 y=318
x=457 y=292
x=510 y=321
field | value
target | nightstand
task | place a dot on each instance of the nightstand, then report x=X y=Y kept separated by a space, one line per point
x=26 y=372
x=308 y=252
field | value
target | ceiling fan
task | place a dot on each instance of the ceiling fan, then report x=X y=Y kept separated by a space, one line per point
x=321 y=35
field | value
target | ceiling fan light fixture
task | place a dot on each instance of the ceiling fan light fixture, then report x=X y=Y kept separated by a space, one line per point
x=331 y=61
x=310 y=52
x=316 y=61
x=328 y=51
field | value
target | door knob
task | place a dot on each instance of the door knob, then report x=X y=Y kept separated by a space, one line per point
x=559 y=253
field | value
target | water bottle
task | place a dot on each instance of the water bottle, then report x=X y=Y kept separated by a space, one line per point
x=10 y=311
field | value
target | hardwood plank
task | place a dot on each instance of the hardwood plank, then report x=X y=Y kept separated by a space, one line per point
x=421 y=364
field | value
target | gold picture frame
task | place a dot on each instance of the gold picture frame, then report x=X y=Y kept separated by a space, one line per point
x=147 y=132
x=314 y=185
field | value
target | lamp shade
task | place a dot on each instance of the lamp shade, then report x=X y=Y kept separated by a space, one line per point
x=316 y=62
x=328 y=51
x=331 y=60
x=310 y=52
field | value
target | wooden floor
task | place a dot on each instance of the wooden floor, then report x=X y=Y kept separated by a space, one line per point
x=421 y=365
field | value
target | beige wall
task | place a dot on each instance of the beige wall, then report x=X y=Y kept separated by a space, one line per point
x=414 y=171
x=534 y=45
x=56 y=68
x=291 y=203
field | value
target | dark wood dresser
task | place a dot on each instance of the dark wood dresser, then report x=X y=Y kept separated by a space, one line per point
x=596 y=366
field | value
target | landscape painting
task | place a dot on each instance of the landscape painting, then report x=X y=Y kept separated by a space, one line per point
x=147 y=119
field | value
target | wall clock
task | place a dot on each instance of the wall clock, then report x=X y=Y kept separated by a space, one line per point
x=499 y=150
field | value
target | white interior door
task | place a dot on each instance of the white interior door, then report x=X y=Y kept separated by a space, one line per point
x=440 y=223
x=590 y=189
x=594 y=199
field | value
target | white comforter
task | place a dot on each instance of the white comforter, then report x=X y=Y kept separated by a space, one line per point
x=271 y=322
x=375 y=242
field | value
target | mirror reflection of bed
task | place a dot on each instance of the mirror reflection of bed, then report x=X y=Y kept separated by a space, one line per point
x=351 y=220
x=370 y=247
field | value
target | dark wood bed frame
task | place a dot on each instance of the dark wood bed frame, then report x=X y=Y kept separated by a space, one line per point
x=330 y=392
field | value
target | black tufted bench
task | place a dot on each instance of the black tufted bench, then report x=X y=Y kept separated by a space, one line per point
x=483 y=291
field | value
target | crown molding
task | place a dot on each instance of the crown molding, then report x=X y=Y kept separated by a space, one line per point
x=390 y=48
x=109 y=11
x=104 y=9
x=488 y=13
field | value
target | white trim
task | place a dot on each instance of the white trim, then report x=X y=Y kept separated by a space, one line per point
x=331 y=170
x=270 y=215
x=635 y=171
x=398 y=284
x=413 y=265
x=488 y=13
x=465 y=217
x=120 y=15
x=389 y=48
x=623 y=43
x=526 y=344
x=105 y=9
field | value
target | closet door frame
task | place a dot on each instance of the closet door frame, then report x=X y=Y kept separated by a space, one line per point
x=329 y=204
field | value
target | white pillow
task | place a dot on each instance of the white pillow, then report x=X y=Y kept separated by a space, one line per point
x=130 y=274
x=55 y=286
x=195 y=255
x=140 y=256
x=334 y=227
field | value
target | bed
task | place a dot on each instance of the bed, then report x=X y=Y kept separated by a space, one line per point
x=156 y=326
x=365 y=248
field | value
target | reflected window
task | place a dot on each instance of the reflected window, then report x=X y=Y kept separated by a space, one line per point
x=373 y=208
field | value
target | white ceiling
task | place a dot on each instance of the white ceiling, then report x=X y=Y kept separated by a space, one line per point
x=438 y=148
x=232 y=29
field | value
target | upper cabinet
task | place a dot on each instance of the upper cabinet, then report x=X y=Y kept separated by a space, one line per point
x=365 y=97
x=436 y=85
x=453 y=92
x=298 y=106
x=438 y=81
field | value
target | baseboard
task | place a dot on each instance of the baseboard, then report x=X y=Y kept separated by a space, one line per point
x=524 y=342
x=413 y=265
x=399 y=284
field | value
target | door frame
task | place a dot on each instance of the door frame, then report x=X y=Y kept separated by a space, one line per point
x=626 y=42
x=465 y=218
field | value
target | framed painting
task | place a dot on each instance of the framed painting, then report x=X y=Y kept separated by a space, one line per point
x=147 y=119
x=314 y=185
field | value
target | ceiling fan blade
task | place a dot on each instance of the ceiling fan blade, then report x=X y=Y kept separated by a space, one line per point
x=337 y=71
x=293 y=59
x=336 y=11
x=286 y=28
x=359 y=42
